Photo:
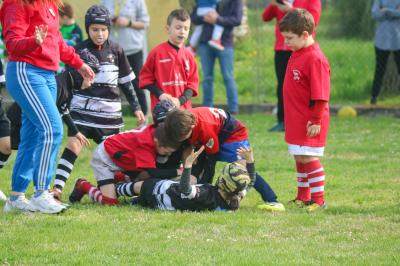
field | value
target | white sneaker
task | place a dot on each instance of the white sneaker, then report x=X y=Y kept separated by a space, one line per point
x=46 y=203
x=20 y=204
x=2 y=196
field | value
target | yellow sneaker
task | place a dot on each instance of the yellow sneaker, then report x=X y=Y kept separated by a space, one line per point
x=272 y=207
x=297 y=203
x=313 y=207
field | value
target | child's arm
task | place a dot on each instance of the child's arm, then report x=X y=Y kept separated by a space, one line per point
x=314 y=124
x=247 y=154
x=133 y=101
x=184 y=183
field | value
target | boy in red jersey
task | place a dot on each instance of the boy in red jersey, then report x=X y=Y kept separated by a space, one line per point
x=170 y=71
x=222 y=135
x=133 y=151
x=277 y=10
x=306 y=92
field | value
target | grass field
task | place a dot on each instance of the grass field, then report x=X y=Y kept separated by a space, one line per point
x=360 y=227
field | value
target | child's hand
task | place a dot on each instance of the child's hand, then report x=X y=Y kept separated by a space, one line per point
x=165 y=97
x=140 y=117
x=86 y=84
x=192 y=157
x=40 y=33
x=176 y=102
x=86 y=72
x=82 y=139
x=246 y=153
x=313 y=130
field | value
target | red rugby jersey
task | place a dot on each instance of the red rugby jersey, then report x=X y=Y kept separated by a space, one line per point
x=307 y=78
x=209 y=122
x=171 y=70
x=133 y=150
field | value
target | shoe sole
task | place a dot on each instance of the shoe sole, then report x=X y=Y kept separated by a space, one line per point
x=270 y=208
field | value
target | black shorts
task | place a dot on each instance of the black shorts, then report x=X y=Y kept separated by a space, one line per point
x=96 y=134
x=4 y=123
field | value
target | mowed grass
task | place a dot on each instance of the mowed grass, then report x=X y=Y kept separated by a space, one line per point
x=360 y=227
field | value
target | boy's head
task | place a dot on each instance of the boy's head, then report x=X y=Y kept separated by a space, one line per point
x=164 y=145
x=297 y=27
x=66 y=14
x=161 y=110
x=233 y=179
x=97 y=24
x=179 y=124
x=178 y=27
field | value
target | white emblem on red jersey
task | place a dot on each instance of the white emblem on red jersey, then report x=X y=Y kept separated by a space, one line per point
x=210 y=143
x=166 y=60
x=187 y=66
x=52 y=12
x=296 y=74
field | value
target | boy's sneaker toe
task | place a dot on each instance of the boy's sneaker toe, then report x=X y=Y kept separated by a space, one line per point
x=313 y=206
x=272 y=206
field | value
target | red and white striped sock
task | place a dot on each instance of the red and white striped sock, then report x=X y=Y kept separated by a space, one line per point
x=96 y=195
x=316 y=179
x=303 y=188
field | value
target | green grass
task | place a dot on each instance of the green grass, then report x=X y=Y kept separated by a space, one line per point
x=360 y=227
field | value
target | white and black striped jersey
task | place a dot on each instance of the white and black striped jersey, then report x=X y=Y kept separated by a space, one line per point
x=100 y=105
x=167 y=195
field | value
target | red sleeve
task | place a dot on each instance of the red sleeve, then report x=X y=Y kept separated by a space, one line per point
x=318 y=111
x=147 y=75
x=193 y=78
x=314 y=7
x=15 y=22
x=67 y=53
x=319 y=76
x=269 y=13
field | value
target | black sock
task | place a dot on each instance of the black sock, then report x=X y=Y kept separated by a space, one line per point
x=125 y=189
x=3 y=159
x=64 y=168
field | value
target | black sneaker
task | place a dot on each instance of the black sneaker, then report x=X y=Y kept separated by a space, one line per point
x=78 y=193
x=280 y=127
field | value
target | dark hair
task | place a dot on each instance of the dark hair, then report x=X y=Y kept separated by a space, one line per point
x=297 y=20
x=233 y=201
x=162 y=138
x=66 y=10
x=179 y=14
x=178 y=124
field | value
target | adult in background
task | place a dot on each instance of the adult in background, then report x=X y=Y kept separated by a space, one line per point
x=130 y=20
x=228 y=14
x=387 y=40
x=277 y=10
x=35 y=47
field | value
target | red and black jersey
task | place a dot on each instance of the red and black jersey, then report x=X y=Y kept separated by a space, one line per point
x=133 y=150
x=307 y=79
x=171 y=70
x=215 y=126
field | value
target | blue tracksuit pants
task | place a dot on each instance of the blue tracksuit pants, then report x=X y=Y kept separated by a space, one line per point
x=35 y=91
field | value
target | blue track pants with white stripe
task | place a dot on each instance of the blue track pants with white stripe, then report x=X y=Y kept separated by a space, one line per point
x=35 y=91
